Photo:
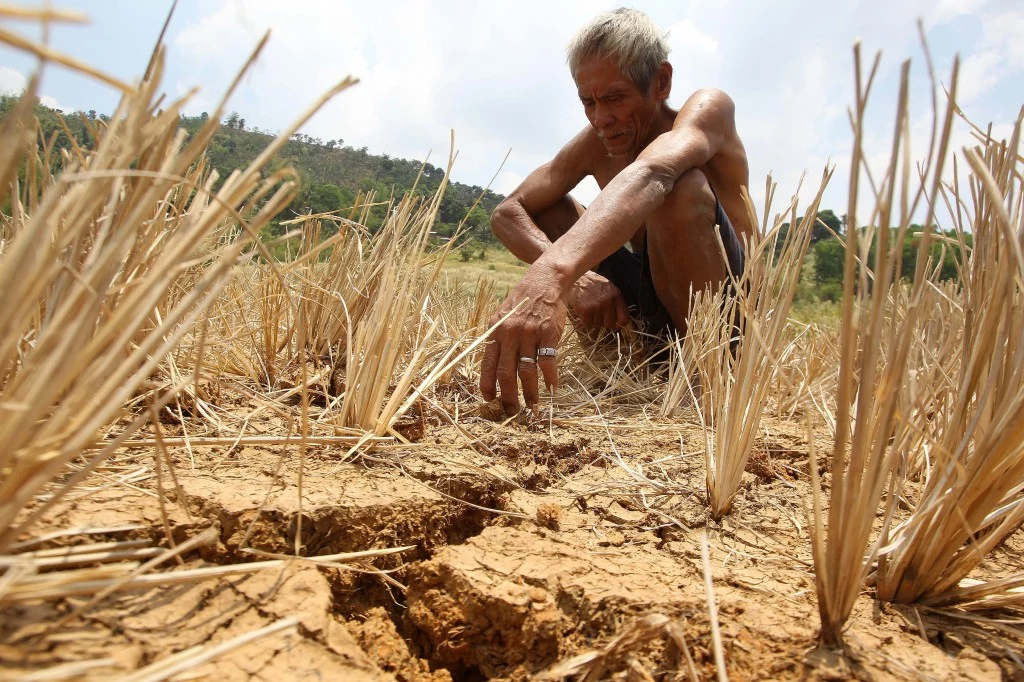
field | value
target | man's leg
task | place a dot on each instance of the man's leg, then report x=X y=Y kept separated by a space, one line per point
x=682 y=245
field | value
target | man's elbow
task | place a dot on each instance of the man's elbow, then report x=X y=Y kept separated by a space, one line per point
x=657 y=176
x=502 y=218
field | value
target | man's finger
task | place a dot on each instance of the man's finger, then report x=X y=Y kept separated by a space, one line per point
x=508 y=382
x=548 y=363
x=608 y=316
x=583 y=315
x=621 y=314
x=489 y=370
x=528 y=372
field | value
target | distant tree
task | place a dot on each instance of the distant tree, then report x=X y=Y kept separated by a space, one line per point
x=831 y=222
x=329 y=173
x=908 y=254
x=478 y=218
x=829 y=255
x=819 y=231
x=780 y=240
x=324 y=198
x=945 y=253
x=451 y=210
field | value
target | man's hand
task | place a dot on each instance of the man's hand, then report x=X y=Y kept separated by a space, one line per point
x=597 y=303
x=537 y=323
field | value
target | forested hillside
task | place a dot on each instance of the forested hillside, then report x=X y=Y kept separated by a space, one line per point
x=331 y=173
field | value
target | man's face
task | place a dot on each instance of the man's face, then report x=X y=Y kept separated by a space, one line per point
x=618 y=110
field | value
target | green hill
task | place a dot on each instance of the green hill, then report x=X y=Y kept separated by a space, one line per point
x=331 y=174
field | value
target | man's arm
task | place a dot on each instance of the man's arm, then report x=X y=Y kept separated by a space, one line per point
x=703 y=129
x=513 y=221
x=539 y=211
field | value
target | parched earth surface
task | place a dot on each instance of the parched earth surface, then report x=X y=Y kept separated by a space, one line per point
x=527 y=545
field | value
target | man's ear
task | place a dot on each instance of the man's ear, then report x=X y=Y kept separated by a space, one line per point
x=663 y=82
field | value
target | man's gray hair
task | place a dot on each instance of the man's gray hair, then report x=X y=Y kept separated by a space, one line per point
x=626 y=36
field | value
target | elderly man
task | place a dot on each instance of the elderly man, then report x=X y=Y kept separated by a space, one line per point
x=670 y=180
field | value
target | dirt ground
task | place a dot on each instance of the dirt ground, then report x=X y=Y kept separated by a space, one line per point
x=530 y=543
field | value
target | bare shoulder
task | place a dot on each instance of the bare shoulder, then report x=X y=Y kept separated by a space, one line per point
x=713 y=111
x=710 y=109
x=708 y=122
x=583 y=153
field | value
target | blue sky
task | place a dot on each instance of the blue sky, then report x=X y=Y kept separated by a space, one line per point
x=495 y=72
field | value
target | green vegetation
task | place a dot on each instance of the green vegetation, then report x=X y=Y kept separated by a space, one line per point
x=821 y=281
x=333 y=175
x=497 y=264
x=946 y=255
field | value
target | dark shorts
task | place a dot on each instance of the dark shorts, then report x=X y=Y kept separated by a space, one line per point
x=631 y=273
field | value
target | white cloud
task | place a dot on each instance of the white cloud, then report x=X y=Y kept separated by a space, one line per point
x=12 y=82
x=1004 y=31
x=944 y=11
x=978 y=73
x=507 y=181
x=51 y=102
x=422 y=74
x=694 y=55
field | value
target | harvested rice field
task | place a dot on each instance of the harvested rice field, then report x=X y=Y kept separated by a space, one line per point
x=220 y=465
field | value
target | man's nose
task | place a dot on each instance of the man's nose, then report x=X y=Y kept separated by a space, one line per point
x=603 y=117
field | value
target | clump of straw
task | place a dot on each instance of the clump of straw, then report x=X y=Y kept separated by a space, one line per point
x=738 y=365
x=973 y=495
x=874 y=362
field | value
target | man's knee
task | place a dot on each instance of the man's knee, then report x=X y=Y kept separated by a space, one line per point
x=686 y=252
x=691 y=202
x=556 y=220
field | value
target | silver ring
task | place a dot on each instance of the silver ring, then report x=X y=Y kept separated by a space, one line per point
x=530 y=360
x=550 y=352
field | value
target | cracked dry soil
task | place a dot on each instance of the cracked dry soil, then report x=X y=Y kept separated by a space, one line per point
x=576 y=561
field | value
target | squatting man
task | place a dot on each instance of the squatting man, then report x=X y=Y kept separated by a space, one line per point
x=669 y=180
